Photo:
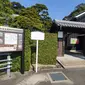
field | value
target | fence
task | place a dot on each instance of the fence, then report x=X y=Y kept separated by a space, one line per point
x=6 y=64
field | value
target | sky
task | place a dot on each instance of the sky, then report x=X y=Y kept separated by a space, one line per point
x=57 y=9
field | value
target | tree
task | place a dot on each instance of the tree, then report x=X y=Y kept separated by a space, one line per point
x=28 y=19
x=82 y=5
x=5 y=6
x=44 y=15
x=78 y=9
x=40 y=7
x=16 y=7
x=5 y=11
x=35 y=17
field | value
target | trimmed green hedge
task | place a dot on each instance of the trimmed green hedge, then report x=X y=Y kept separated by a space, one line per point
x=15 y=62
x=27 y=50
x=27 y=54
x=47 y=50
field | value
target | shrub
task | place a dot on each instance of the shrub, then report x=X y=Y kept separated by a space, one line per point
x=27 y=50
x=27 y=53
x=16 y=64
x=47 y=50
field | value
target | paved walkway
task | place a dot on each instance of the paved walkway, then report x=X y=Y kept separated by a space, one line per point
x=76 y=77
x=72 y=61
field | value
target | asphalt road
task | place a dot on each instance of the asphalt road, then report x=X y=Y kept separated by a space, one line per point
x=76 y=76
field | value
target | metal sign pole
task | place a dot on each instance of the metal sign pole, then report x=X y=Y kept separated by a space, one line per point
x=36 y=56
x=22 y=57
x=36 y=35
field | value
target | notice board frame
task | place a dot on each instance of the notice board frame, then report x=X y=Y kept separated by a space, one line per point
x=6 y=29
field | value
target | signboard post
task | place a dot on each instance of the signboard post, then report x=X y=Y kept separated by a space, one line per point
x=37 y=36
x=36 y=55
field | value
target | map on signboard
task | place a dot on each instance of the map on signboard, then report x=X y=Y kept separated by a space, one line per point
x=73 y=41
x=1 y=41
x=1 y=34
x=10 y=38
x=1 y=38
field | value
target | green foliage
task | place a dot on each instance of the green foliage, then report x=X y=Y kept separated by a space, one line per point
x=38 y=17
x=34 y=18
x=2 y=21
x=47 y=23
x=16 y=56
x=16 y=7
x=47 y=50
x=5 y=11
x=40 y=7
x=44 y=16
x=28 y=18
x=78 y=9
x=5 y=6
x=27 y=50
x=16 y=62
x=20 y=22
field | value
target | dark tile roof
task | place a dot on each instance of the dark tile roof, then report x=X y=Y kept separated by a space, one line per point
x=69 y=24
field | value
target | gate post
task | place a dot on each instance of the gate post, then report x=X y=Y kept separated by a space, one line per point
x=60 y=43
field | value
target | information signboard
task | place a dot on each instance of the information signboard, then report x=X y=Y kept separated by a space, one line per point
x=11 y=39
x=37 y=36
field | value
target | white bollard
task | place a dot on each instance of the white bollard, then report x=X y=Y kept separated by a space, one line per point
x=8 y=66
